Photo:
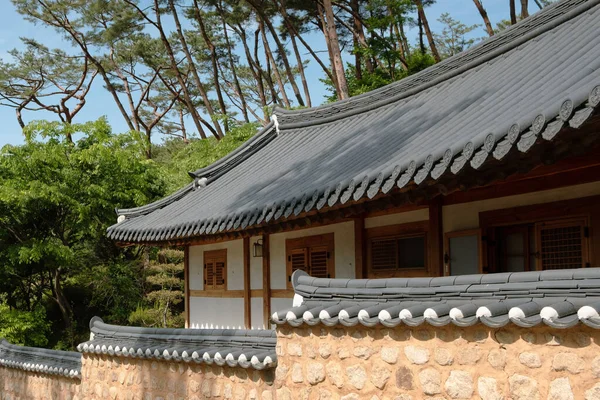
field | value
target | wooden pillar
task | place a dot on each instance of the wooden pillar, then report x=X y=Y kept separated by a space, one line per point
x=359 y=248
x=247 y=296
x=186 y=282
x=266 y=281
x=436 y=234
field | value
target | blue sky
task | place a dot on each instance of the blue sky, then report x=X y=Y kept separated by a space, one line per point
x=99 y=102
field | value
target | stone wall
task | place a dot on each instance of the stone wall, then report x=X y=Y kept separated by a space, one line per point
x=105 y=377
x=19 y=384
x=438 y=363
x=342 y=363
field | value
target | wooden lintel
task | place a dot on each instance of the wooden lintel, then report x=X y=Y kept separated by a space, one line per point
x=247 y=291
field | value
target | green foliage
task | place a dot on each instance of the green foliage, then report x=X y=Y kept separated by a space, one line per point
x=163 y=301
x=28 y=328
x=56 y=199
x=455 y=36
x=177 y=158
x=416 y=61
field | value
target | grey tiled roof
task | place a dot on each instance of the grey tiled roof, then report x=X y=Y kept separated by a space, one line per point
x=505 y=96
x=44 y=361
x=232 y=347
x=558 y=298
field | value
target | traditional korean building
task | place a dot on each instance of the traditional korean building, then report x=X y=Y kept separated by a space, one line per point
x=487 y=162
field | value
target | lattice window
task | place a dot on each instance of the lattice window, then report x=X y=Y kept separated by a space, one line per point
x=397 y=253
x=215 y=269
x=319 y=261
x=312 y=254
x=562 y=244
x=298 y=260
x=384 y=254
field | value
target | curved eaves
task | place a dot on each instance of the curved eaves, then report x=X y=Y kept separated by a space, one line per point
x=520 y=137
x=489 y=131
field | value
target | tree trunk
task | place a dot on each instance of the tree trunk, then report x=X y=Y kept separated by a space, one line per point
x=256 y=71
x=338 y=64
x=214 y=61
x=286 y=63
x=62 y=301
x=513 y=12
x=323 y=24
x=281 y=51
x=234 y=73
x=421 y=34
x=358 y=57
x=273 y=63
x=423 y=18
x=175 y=69
x=484 y=16
x=195 y=75
x=293 y=30
x=406 y=47
x=266 y=74
x=301 y=70
x=524 y=9
x=292 y=33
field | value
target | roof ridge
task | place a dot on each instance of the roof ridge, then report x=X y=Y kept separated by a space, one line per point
x=558 y=298
x=209 y=173
x=233 y=347
x=47 y=361
x=547 y=19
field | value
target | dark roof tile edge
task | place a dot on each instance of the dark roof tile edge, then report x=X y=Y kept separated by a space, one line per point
x=44 y=361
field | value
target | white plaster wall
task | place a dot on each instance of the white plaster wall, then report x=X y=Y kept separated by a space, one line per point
x=216 y=312
x=255 y=267
x=278 y=304
x=395 y=219
x=235 y=264
x=466 y=215
x=344 y=251
x=256 y=306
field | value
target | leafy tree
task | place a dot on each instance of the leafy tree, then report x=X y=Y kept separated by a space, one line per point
x=38 y=78
x=163 y=305
x=28 y=328
x=56 y=200
x=176 y=159
x=454 y=37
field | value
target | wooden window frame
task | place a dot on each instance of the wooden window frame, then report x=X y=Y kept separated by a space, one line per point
x=582 y=221
x=447 y=251
x=215 y=254
x=399 y=231
x=307 y=242
x=580 y=207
